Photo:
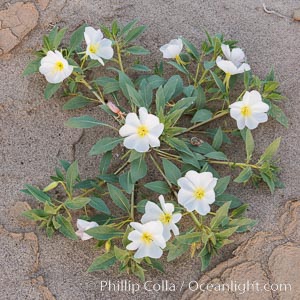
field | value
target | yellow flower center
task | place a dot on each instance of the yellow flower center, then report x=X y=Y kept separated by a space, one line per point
x=94 y=48
x=147 y=238
x=142 y=130
x=246 y=111
x=199 y=193
x=165 y=218
x=59 y=66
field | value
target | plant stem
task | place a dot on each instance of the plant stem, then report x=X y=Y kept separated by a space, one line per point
x=223 y=113
x=233 y=164
x=119 y=56
x=83 y=81
x=161 y=171
x=132 y=205
x=195 y=219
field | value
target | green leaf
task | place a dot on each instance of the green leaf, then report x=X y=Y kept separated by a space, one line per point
x=173 y=87
x=51 y=186
x=105 y=144
x=205 y=258
x=126 y=182
x=105 y=162
x=134 y=33
x=155 y=81
x=221 y=213
x=209 y=64
x=219 y=82
x=222 y=199
x=270 y=151
x=84 y=122
x=99 y=205
x=221 y=186
x=103 y=262
x=137 y=50
x=138 y=169
x=38 y=194
x=190 y=48
x=184 y=103
x=180 y=146
x=134 y=96
x=141 y=206
x=140 y=68
x=51 y=89
x=118 y=197
x=249 y=145
x=32 y=67
x=120 y=254
x=244 y=176
x=146 y=93
x=201 y=97
x=176 y=250
x=77 y=203
x=269 y=181
x=271 y=86
x=171 y=171
x=189 y=238
x=77 y=102
x=178 y=67
x=216 y=155
x=58 y=38
x=35 y=214
x=66 y=227
x=276 y=113
x=218 y=139
x=76 y=38
x=157 y=265
x=160 y=99
x=104 y=232
x=124 y=81
x=202 y=115
x=159 y=187
x=72 y=175
x=111 y=87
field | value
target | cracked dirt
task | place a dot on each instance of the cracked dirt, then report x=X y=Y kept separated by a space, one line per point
x=33 y=140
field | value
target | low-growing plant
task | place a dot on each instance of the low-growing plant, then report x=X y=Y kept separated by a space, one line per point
x=162 y=123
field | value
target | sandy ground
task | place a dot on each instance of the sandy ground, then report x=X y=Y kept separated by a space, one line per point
x=33 y=137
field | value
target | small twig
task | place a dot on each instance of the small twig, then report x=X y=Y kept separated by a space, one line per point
x=273 y=12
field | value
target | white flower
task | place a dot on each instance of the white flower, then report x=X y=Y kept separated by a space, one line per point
x=197 y=191
x=235 y=63
x=147 y=239
x=250 y=111
x=82 y=226
x=172 y=49
x=164 y=215
x=141 y=132
x=97 y=46
x=55 y=67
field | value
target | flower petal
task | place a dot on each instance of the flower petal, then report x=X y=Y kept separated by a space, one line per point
x=127 y=130
x=251 y=123
x=226 y=51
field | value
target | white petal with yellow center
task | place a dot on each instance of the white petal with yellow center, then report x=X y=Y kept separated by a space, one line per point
x=141 y=132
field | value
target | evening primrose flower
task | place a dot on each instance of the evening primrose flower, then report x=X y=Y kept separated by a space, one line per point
x=147 y=239
x=250 y=111
x=197 y=191
x=82 y=226
x=97 y=46
x=164 y=214
x=235 y=63
x=141 y=132
x=172 y=49
x=55 y=67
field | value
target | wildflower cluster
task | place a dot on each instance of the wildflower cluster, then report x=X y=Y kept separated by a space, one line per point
x=162 y=146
